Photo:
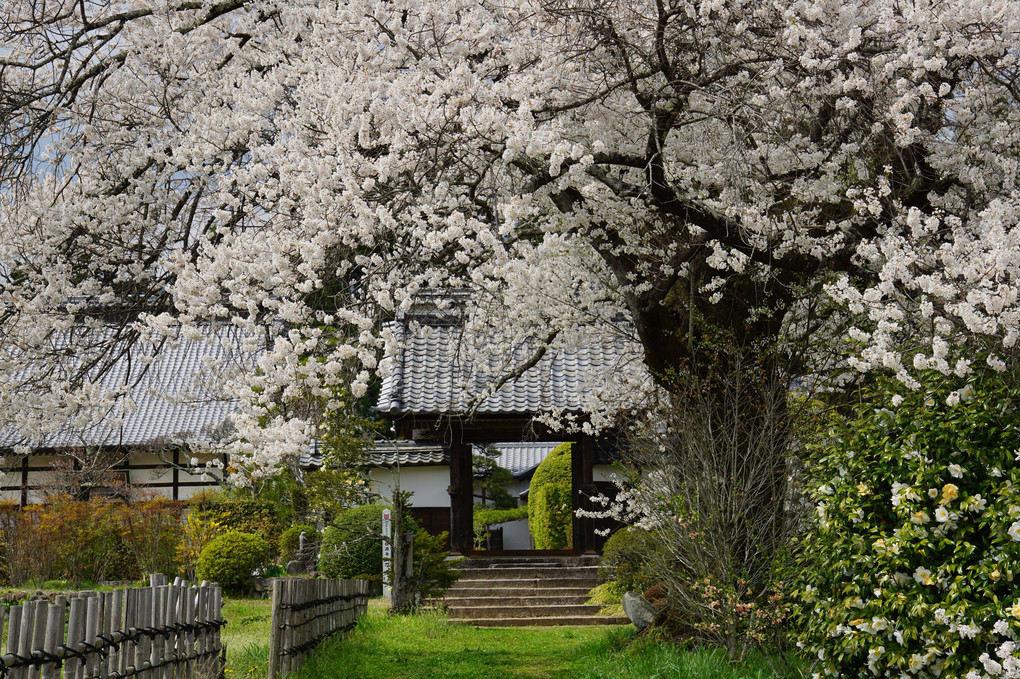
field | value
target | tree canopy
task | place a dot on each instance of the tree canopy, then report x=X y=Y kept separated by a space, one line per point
x=300 y=170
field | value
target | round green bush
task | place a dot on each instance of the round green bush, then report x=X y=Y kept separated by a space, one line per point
x=550 y=510
x=352 y=547
x=290 y=540
x=231 y=559
x=910 y=567
x=626 y=560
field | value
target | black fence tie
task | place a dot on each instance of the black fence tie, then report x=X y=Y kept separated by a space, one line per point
x=73 y=652
x=92 y=648
x=41 y=657
x=109 y=641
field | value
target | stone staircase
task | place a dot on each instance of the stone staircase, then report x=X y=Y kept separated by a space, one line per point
x=526 y=591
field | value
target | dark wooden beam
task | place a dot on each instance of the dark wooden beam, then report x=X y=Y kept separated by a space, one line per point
x=583 y=487
x=461 y=493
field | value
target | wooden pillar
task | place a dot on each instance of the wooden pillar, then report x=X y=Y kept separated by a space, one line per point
x=24 y=481
x=461 y=494
x=176 y=475
x=583 y=487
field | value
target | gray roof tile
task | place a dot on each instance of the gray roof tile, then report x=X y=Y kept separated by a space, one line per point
x=390 y=453
x=172 y=402
x=433 y=374
x=519 y=458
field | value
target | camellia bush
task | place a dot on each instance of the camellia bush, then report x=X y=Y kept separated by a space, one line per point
x=915 y=548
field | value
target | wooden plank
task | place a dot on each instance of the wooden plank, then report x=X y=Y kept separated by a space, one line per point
x=91 y=632
x=103 y=630
x=75 y=634
x=54 y=637
x=14 y=636
x=117 y=623
x=127 y=649
x=274 y=630
x=38 y=634
x=156 y=619
x=217 y=615
x=25 y=638
x=287 y=635
x=141 y=615
x=189 y=639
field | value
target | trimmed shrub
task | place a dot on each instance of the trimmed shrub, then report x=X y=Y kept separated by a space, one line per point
x=231 y=559
x=352 y=546
x=910 y=565
x=627 y=558
x=238 y=513
x=290 y=541
x=550 y=510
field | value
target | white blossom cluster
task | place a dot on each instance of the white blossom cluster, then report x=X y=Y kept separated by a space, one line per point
x=302 y=170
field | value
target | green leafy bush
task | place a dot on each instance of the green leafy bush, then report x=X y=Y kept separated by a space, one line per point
x=352 y=546
x=484 y=517
x=627 y=560
x=231 y=559
x=240 y=513
x=550 y=509
x=290 y=541
x=909 y=568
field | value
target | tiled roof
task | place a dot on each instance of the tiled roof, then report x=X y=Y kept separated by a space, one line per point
x=407 y=453
x=432 y=373
x=171 y=402
x=519 y=458
x=390 y=453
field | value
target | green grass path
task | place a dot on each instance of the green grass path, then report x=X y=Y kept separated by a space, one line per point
x=428 y=646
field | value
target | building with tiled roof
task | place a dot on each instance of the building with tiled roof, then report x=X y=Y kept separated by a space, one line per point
x=167 y=415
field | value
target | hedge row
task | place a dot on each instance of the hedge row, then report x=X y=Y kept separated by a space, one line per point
x=101 y=539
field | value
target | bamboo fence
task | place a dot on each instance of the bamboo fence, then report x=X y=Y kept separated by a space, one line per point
x=162 y=631
x=307 y=612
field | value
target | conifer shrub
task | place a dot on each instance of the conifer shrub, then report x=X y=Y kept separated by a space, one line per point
x=230 y=560
x=550 y=509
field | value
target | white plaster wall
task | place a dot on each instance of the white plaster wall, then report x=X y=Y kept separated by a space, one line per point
x=429 y=484
x=516 y=535
x=11 y=476
x=605 y=472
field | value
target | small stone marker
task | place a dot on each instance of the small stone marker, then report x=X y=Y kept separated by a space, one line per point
x=640 y=612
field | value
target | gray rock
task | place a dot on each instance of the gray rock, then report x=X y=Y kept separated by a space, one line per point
x=300 y=567
x=640 y=612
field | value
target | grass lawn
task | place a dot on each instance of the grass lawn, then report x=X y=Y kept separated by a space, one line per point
x=247 y=636
x=428 y=646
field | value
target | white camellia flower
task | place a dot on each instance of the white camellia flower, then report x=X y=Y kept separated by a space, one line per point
x=1014 y=531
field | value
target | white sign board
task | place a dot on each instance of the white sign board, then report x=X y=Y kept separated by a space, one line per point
x=387 y=552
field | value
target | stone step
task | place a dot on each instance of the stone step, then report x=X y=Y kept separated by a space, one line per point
x=516 y=591
x=564 y=621
x=526 y=572
x=546 y=611
x=514 y=599
x=473 y=563
x=534 y=583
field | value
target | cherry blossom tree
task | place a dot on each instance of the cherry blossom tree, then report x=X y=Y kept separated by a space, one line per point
x=723 y=174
